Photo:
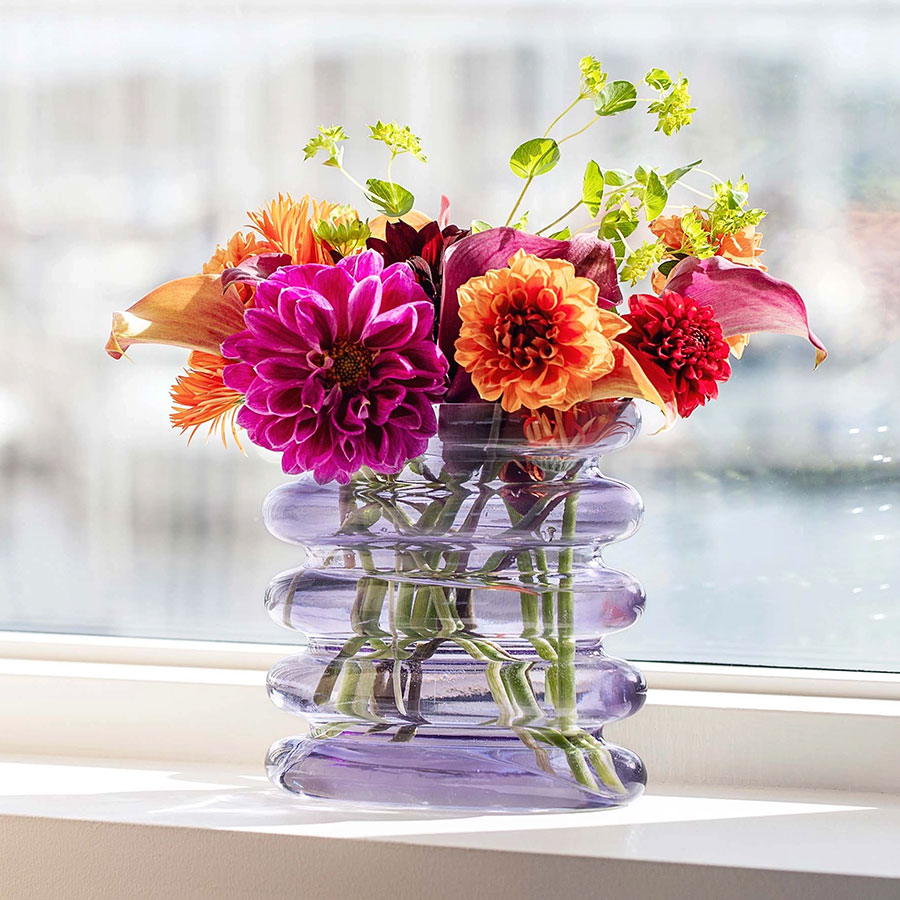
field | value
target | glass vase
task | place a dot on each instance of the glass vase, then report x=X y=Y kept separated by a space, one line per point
x=454 y=615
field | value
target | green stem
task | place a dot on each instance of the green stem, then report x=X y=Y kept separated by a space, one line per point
x=710 y=174
x=694 y=190
x=565 y=112
x=574 y=757
x=565 y=620
x=581 y=130
x=396 y=668
x=565 y=215
x=353 y=180
x=518 y=203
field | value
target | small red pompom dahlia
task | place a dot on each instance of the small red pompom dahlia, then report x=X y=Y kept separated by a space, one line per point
x=684 y=339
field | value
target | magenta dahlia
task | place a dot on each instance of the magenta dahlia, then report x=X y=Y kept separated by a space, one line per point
x=338 y=367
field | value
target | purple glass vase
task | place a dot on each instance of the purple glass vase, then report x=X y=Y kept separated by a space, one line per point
x=455 y=613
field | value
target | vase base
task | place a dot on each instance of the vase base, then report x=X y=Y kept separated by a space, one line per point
x=459 y=771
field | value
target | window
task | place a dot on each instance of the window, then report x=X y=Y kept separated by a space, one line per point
x=134 y=141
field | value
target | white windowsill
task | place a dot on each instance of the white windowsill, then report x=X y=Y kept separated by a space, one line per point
x=83 y=829
x=762 y=781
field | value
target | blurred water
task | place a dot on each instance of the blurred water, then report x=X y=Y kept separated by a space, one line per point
x=134 y=137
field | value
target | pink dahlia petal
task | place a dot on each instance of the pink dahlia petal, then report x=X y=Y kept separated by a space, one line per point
x=334 y=285
x=362 y=306
x=398 y=282
x=257 y=397
x=282 y=370
x=278 y=433
x=362 y=266
x=392 y=329
x=238 y=377
x=285 y=401
x=269 y=330
x=316 y=323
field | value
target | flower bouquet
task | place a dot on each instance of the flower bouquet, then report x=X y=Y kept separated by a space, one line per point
x=445 y=394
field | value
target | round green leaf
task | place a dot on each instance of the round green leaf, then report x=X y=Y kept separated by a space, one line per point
x=592 y=188
x=390 y=198
x=655 y=195
x=615 y=98
x=616 y=177
x=535 y=157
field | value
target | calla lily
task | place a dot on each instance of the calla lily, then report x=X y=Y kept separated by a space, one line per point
x=744 y=299
x=478 y=253
x=190 y=312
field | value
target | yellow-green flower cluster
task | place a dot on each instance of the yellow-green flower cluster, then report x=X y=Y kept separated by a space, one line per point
x=328 y=140
x=674 y=106
x=641 y=261
x=592 y=76
x=398 y=139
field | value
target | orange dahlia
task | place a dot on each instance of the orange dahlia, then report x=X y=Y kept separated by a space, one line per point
x=288 y=226
x=239 y=247
x=533 y=335
x=200 y=396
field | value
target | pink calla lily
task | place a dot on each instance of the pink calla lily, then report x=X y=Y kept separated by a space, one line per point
x=744 y=299
x=478 y=253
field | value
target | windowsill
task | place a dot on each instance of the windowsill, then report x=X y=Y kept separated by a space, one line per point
x=764 y=783
x=155 y=830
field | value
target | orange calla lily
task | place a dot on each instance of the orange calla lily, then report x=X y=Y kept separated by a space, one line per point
x=190 y=312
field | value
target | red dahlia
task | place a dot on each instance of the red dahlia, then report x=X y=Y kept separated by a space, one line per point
x=684 y=339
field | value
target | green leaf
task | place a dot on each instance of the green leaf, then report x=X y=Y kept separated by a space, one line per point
x=563 y=235
x=640 y=175
x=618 y=223
x=535 y=157
x=522 y=222
x=479 y=225
x=659 y=79
x=592 y=188
x=655 y=196
x=616 y=177
x=615 y=98
x=619 y=248
x=671 y=177
x=665 y=267
x=390 y=198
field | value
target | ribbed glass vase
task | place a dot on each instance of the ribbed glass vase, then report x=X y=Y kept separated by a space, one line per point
x=455 y=614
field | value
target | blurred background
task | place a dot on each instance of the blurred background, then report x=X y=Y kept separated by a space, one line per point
x=134 y=136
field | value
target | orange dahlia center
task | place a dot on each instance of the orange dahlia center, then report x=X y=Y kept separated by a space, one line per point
x=527 y=327
x=349 y=363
